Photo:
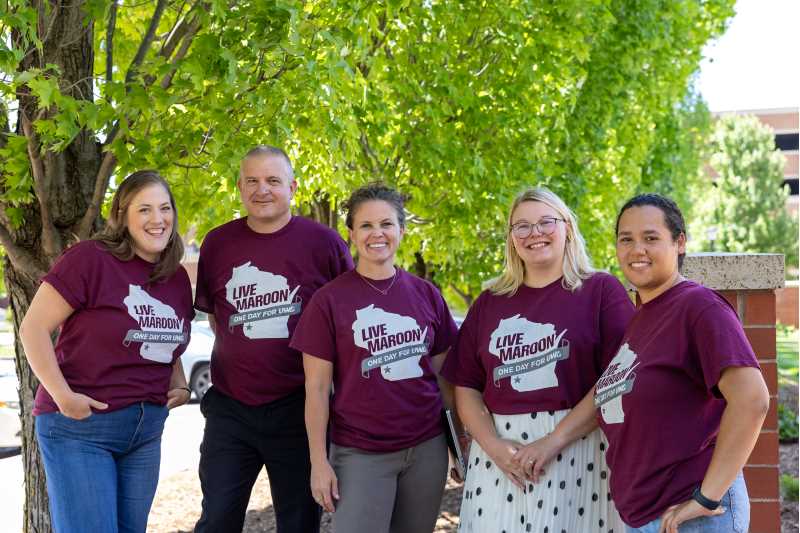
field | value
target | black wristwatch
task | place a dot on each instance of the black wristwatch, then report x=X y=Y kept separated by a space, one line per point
x=708 y=503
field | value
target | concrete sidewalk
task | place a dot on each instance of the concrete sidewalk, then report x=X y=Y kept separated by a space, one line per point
x=180 y=451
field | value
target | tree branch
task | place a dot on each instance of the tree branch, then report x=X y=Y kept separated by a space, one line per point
x=84 y=228
x=184 y=49
x=21 y=258
x=51 y=241
x=112 y=26
x=4 y=124
x=369 y=154
x=182 y=28
x=144 y=46
x=467 y=298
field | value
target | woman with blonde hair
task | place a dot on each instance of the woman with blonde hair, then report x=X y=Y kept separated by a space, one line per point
x=530 y=348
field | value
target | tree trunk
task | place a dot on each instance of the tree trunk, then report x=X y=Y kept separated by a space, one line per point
x=63 y=184
x=21 y=288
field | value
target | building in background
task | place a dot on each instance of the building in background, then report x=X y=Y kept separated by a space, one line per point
x=785 y=123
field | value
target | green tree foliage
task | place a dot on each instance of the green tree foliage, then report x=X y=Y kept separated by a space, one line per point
x=746 y=209
x=676 y=164
x=459 y=103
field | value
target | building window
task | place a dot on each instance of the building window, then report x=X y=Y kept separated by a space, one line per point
x=787 y=141
x=792 y=183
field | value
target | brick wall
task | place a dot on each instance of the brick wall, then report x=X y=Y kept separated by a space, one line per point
x=756 y=310
x=748 y=282
x=786 y=305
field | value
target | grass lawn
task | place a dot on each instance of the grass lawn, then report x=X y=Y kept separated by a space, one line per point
x=6 y=352
x=787 y=345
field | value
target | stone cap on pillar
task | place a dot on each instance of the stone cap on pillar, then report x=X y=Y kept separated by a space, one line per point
x=725 y=271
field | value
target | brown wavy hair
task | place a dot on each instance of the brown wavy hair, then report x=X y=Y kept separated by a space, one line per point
x=116 y=237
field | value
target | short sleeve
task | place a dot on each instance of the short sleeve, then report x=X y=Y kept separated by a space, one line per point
x=315 y=333
x=341 y=261
x=203 y=299
x=447 y=331
x=719 y=341
x=186 y=303
x=616 y=312
x=71 y=274
x=462 y=366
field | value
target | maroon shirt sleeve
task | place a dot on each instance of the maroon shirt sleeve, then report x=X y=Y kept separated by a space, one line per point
x=447 y=331
x=719 y=342
x=202 y=299
x=315 y=332
x=462 y=366
x=615 y=313
x=71 y=274
x=341 y=259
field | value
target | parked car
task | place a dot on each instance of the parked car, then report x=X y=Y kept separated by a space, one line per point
x=196 y=358
x=10 y=423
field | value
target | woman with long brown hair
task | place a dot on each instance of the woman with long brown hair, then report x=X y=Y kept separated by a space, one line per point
x=123 y=304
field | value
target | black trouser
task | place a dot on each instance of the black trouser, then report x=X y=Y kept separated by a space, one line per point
x=239 y=439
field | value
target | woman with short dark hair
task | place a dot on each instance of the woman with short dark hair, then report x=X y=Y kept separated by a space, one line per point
x=683 y=400
x=124 y=306
x=377 y=336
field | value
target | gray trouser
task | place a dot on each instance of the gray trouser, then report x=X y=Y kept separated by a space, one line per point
x=397 y=492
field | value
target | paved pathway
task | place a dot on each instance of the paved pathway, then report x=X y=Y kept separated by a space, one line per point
x=180 y=450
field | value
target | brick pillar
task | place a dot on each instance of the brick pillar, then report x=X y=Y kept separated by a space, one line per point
x=748 y=282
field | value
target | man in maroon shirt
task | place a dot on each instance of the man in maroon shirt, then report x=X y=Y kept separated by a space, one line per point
x=255 y=276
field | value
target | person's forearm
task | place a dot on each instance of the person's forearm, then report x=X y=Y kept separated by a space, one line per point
x=579 y=422
x=177 y=379
x=42 y=359
x=475 y=416
x=449 y=401
x=316 y=414
x=738 y=432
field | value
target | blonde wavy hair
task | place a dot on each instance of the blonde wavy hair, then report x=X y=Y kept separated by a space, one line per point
x=577 y=265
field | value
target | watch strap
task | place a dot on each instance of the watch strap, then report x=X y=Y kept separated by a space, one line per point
x=708 y=503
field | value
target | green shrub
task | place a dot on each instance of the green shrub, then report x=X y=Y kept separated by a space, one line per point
x=789 y=487
x=787 y=424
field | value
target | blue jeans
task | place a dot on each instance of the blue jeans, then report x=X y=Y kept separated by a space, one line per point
x=735 y=519
x=102 y=471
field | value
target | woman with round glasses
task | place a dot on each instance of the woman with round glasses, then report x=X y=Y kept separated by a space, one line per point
x=531 y=347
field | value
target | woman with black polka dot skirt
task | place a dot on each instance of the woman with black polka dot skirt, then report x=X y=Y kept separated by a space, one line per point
x=573 y=496
x=530 y=348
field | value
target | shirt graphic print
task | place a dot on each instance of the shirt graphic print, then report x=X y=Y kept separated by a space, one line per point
x=615 y=382
x=528 y=352
x=395 y=343
x=263 y=301
x=160 y=331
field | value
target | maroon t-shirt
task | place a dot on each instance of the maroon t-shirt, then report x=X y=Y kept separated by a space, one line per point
x=541 y=349
x=257 y=285
x=386 y=397
x=119 y=345
x=658 y=401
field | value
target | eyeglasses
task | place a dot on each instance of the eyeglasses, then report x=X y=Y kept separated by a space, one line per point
x=545 y=226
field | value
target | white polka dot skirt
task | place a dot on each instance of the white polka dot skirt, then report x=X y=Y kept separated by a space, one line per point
x=573 y=496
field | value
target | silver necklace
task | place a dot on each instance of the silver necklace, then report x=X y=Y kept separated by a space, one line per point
x=382 y=291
